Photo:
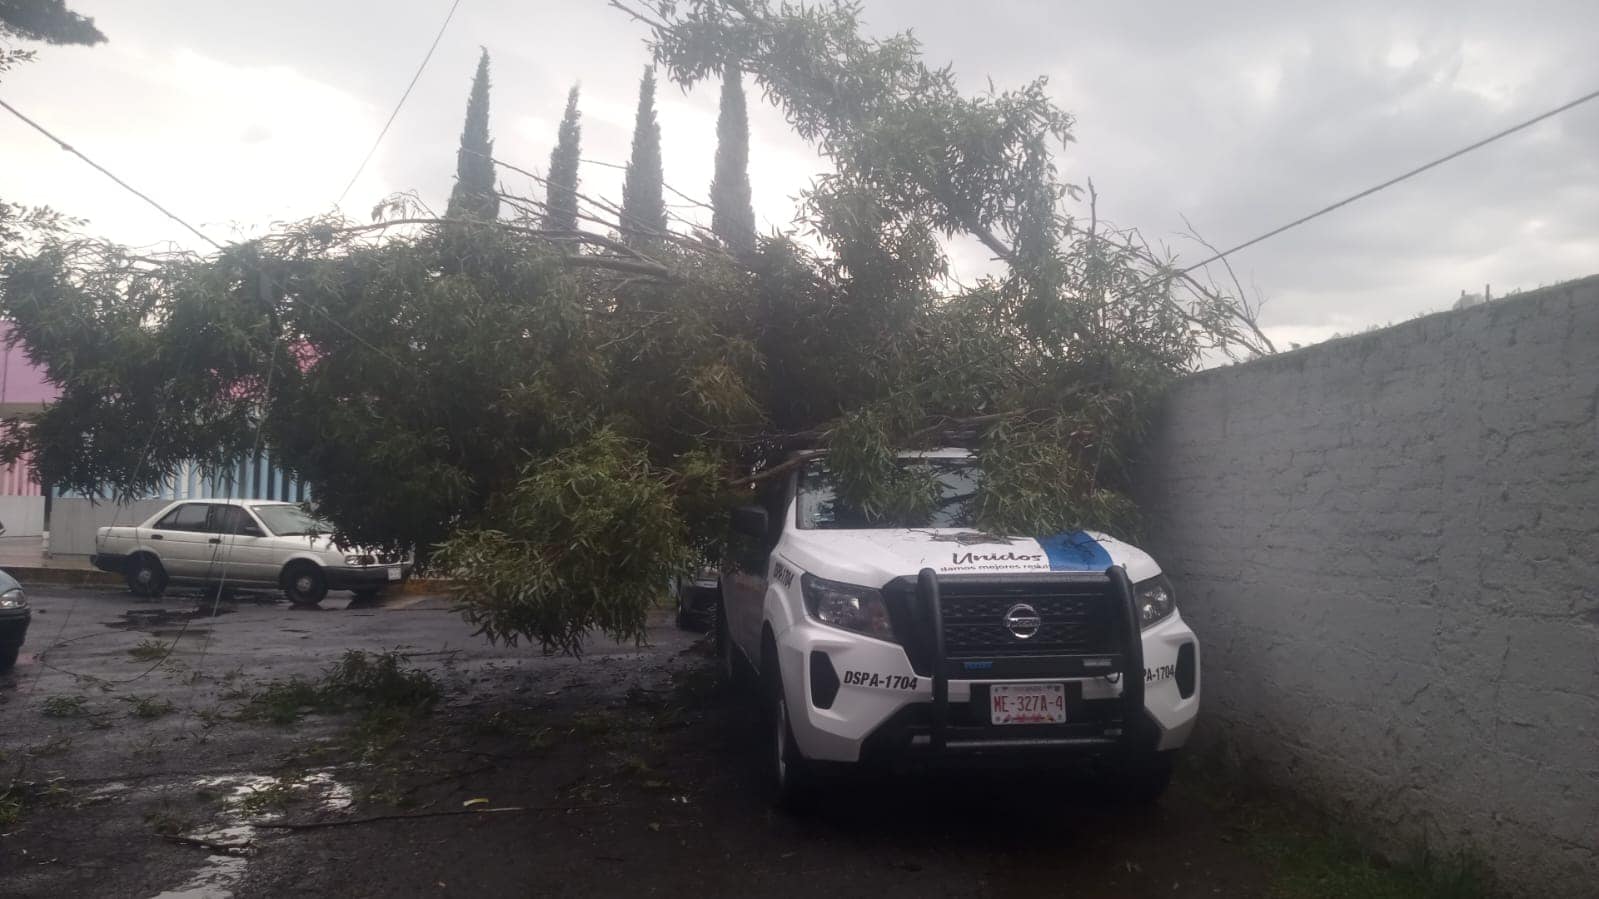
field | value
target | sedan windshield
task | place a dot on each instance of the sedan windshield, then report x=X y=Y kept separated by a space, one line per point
x=952 y=487
x=291 y=521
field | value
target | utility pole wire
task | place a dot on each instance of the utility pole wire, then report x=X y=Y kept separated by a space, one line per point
x=106 y=172
x=197 y=232
x=414 y=78
x=1395 y=180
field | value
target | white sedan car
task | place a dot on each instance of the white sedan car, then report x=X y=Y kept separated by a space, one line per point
x=222 y=543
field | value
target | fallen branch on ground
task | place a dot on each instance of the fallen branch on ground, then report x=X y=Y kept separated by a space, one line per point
x=351 y=822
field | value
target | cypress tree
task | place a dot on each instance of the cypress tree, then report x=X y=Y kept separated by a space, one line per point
x=643 y=207
x=474 y=196
x=560 y=213
x=732 y=216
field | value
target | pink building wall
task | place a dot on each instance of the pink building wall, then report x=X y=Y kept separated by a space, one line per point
x=20 y=382
x=18 y=479
x=21 y=385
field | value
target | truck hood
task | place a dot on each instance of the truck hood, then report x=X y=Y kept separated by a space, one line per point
x=877 y=556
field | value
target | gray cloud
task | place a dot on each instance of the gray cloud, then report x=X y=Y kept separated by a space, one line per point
x=1245 y=116
x=1238 y=115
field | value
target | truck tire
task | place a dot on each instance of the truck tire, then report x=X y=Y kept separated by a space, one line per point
x=304 y=584
x=790 y=776
x=144 y=575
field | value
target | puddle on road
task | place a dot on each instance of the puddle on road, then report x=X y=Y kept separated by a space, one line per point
x=222 y=874
x=335 y=797
x=214 y=881
x=329 y=794
x=163 y=622
x=107 y=791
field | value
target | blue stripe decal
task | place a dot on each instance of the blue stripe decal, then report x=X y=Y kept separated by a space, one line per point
x=1075 y=551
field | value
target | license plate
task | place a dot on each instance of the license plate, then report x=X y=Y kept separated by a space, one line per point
x=1027 y=704
x=394 y=574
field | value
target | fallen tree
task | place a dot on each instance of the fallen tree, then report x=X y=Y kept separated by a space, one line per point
x=566 y=416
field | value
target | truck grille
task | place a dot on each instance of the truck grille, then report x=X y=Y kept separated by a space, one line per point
x=1072 y=618
x=1078 y=616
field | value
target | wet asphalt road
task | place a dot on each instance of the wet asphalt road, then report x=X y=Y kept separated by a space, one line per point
x=627 y=772
x=115 y=714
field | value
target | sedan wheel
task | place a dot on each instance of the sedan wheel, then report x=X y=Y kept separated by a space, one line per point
x=145 y=576
x=305 y=585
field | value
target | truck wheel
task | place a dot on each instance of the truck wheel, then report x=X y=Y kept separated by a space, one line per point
x=145 y=576
x=304 y=584
x=1145 y=777
x=789 y=773
x=735 y=670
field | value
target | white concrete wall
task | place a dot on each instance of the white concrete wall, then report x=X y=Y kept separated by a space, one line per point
x=74 y=521
x=23 y=515
x=1389 y=547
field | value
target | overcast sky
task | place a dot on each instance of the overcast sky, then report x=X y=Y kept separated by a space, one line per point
x=1239 y=116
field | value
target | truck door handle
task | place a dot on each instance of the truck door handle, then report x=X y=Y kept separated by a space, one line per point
x=157 y=537
x=215 y=540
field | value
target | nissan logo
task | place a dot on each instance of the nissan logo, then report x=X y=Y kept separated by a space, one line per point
x=1022 y=620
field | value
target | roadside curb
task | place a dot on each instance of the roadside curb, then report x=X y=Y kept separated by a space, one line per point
x=435 y=585
x=38 y=574
x=80 y=577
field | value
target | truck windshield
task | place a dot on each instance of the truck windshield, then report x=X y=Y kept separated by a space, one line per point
x=956 y=480
x=291 y=521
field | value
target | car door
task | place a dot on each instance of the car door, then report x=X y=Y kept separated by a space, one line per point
x=182 y=540
x=246 y=555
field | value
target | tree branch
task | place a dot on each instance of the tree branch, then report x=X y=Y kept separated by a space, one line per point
x=352 y=822
x=944 y=423
x=637 y=262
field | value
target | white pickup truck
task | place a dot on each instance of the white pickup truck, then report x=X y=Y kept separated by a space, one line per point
x=931 y=641
x=246 y=543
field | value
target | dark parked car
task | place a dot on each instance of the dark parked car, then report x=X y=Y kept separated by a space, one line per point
x=14 y=617
x=697 y=597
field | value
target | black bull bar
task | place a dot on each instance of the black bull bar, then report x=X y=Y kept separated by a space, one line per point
x=1136 y=732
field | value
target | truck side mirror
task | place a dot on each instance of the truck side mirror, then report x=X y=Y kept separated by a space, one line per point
x=750 y=521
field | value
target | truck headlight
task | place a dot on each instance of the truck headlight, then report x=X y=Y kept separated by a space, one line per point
x=359 y=561
x=847 y=606
x=13 y=599
x=1154 y=599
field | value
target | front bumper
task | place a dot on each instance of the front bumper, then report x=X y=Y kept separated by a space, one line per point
x=366 y=577
x=862 y=700
x=14 y=626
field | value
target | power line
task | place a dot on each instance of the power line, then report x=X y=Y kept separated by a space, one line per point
x=1392 y=181
x=106 y=172
x=429 y=55
x=149 y=442
x=196 y=231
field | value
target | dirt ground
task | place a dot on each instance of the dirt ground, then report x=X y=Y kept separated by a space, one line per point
x=628 y=772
